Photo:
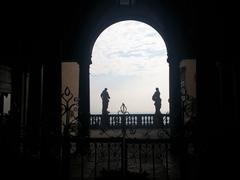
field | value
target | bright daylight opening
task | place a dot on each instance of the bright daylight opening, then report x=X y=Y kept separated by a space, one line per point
x=129 y=58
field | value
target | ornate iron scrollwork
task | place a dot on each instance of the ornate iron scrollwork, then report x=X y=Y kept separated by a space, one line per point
x=70 y=122
x=69 y=114
x=124 y=112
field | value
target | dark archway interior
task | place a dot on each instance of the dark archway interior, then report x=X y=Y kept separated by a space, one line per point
x=36 y=38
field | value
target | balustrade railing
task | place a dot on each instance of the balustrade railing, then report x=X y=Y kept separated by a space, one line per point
x=115 y=121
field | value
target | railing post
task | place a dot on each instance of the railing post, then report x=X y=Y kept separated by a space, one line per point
x=124 y=147
x=123 y=110
x=82 y=166
x=166 y=148
x=66 y=154
x=95 y=160
x=140 y=158
x=153 y=159
x=108 y=151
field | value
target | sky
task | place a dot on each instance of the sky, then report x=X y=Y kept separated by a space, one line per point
x=130 y=59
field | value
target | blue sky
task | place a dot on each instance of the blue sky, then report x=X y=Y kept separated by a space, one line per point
x=130 y=59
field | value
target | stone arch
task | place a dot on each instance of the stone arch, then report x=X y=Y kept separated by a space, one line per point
x=166 y=23
x=159 y=76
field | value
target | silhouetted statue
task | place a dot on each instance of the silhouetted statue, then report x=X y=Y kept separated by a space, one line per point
x=157 y=101
x=105 y=100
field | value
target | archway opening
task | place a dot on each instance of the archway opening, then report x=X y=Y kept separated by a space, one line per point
x=130 y=59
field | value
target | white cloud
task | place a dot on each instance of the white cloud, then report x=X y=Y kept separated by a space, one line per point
x=129 y=58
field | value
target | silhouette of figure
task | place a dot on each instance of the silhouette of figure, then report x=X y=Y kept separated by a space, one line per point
x=105 y=100
x=157 y=101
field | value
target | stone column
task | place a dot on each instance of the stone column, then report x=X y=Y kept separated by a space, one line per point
x=175 y=98
x=84 y=97
x=176 y=117
x=51 y=118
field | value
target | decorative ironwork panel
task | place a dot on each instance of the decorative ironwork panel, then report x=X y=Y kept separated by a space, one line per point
x=70 y=104
x=146 y=157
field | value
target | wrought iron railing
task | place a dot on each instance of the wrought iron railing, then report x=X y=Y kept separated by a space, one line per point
x=98 y=157
x=146 y=158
